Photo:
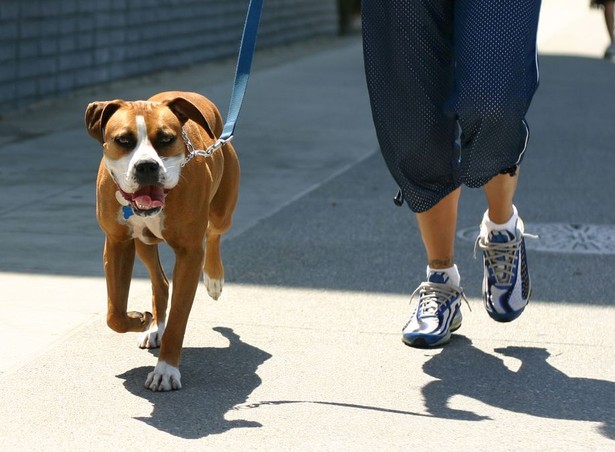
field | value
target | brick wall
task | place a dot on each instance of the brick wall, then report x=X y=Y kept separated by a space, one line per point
x=49 y=47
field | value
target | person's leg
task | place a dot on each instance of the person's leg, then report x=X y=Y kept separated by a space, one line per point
x=438 y=313
x=609 y=19
x=496 y=77
x=438 y=226
x=408 y=49
x=409 y=66
x=506 y=279
x=500 y=192
x=409 y=69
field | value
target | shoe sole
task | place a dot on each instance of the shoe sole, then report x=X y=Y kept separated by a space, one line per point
x=510 y=316
x=422 y=342
x=506 y=318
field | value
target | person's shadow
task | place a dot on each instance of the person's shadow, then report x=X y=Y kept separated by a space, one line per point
x=214 y=380
x=537 y=388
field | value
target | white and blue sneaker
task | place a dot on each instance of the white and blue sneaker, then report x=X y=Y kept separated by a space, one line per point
x=506 y=280
x=438 y=313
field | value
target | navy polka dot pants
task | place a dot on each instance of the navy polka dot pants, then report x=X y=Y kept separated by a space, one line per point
x=450 y=82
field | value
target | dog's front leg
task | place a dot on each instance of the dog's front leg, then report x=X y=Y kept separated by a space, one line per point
x=160 y=295
x=188 y=267
x=119 y=257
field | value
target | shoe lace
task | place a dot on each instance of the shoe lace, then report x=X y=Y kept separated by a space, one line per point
x=433 y=295
x=500 y=257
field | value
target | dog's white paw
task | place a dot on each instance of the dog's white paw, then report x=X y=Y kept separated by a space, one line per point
x=164 y=377
x=214 y=287
x=152 y=337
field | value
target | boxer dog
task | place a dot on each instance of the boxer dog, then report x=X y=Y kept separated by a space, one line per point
x=145 y=195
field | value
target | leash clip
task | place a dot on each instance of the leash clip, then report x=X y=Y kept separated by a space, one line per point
x=199 y=152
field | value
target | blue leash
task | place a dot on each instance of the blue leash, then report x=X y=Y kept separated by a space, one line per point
x=240 y=85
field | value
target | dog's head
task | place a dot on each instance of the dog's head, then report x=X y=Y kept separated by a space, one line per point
x=143 y=146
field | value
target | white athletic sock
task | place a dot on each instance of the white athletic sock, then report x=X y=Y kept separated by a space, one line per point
x=510 y=225
x=452 y=272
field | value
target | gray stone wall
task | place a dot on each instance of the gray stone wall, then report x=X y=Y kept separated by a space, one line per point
x=49 y=47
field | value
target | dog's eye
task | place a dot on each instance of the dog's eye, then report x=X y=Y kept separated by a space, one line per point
x=126 y=141
x=164 y=139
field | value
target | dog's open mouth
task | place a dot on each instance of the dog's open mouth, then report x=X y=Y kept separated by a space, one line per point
x=147 y=200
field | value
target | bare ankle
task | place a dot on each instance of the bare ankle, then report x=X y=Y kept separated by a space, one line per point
x=442 y=263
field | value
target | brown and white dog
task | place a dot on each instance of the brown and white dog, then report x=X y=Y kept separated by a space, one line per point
x=145 y=196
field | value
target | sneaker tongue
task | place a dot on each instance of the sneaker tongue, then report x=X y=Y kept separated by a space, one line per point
x=501 y=265
x=438 y=277
x=501 y=236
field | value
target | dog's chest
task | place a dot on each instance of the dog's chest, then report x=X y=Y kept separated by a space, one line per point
x=147 y=229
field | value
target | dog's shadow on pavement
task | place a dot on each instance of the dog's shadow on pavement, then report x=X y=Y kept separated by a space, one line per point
x=214 y=380
x=536 y=388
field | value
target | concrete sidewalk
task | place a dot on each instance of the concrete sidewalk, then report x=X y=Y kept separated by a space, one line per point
x=303 y=350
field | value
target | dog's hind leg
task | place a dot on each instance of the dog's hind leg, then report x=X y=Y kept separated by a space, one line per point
x=213 y=269
x=160 y=295
x=220 y=220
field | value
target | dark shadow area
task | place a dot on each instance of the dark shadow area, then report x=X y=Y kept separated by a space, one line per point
x=347 y=234
x=537 y=388
x=214 y=381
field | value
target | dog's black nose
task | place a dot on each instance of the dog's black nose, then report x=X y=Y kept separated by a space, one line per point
x=147 y=168
x=146 y=172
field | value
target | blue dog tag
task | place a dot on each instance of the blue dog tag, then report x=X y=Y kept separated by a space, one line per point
x=127 y=212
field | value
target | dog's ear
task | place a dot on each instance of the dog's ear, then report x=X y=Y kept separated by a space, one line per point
x=203 y=112
x=96 y=116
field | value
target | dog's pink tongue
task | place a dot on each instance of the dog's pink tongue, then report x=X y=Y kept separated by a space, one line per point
x=149 y=197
